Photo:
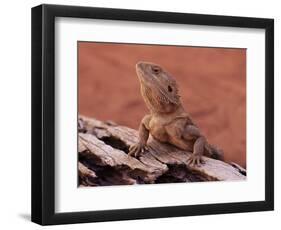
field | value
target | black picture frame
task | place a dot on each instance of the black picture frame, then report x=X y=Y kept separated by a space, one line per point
x=43 y=114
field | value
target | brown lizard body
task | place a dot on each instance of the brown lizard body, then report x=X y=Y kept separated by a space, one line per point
x=168 y=122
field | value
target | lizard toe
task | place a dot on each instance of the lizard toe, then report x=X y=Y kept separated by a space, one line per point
x=132 y=150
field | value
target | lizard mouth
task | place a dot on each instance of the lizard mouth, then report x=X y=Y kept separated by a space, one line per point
x=147 y=78
x=142 y=70
x=153 y=83
x=141 y=74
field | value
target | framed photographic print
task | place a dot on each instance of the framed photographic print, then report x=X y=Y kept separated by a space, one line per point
x=142 y=114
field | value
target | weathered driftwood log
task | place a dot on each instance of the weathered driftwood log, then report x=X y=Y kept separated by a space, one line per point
x=103 y=159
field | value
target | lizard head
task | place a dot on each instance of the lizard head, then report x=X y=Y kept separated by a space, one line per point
x=158 y=88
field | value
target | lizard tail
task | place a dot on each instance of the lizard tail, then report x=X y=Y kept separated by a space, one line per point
x=214 y=152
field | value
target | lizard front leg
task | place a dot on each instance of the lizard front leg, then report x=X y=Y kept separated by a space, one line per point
x=198 y=150
x=187 y=136
x=140 y=147
x=193 y=133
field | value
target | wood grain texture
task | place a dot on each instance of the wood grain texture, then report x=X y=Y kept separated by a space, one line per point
x=103 y=159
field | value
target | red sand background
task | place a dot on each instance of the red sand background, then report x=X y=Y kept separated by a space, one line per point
x=212 y=85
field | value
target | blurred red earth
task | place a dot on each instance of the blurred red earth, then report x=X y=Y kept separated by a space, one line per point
x=212 y=85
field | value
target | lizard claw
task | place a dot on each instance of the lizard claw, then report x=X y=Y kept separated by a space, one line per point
x=136 y=150
x=195 y=160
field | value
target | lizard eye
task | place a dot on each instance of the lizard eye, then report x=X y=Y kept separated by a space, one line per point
x=170 y=88
x=155 y=69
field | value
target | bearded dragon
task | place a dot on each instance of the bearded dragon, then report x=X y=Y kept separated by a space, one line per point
x=168 y=121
